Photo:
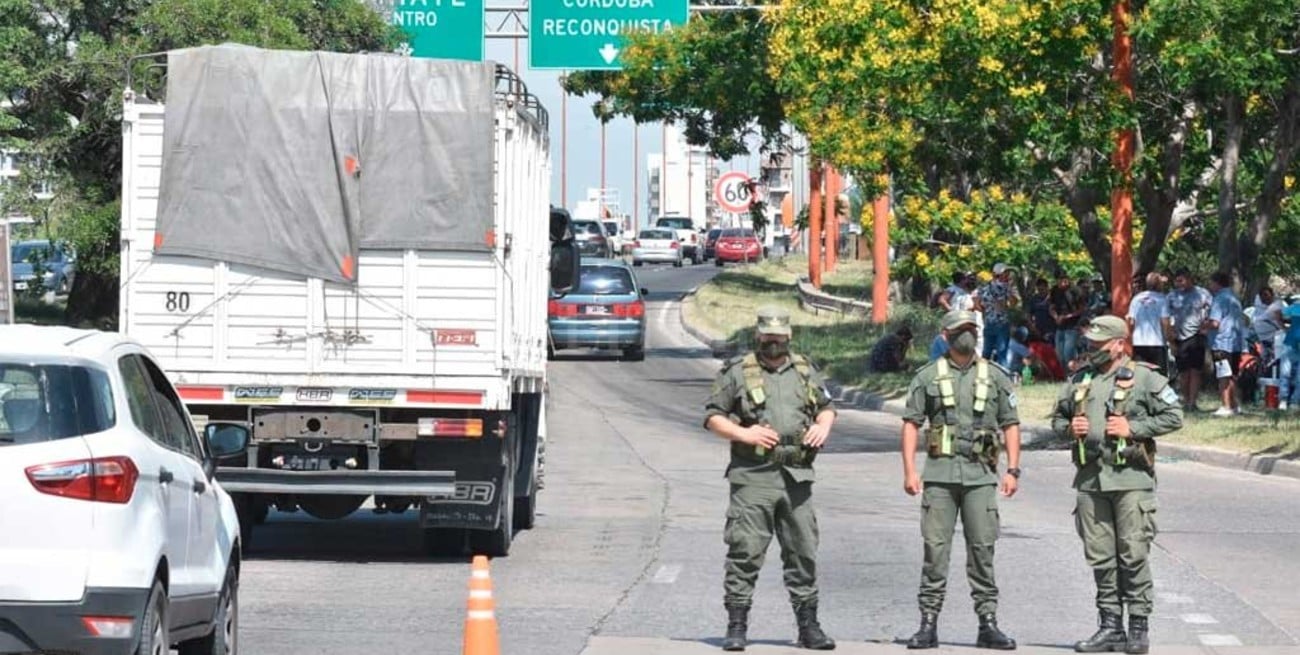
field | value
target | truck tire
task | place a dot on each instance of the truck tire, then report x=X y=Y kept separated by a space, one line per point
x=496 y=542
x=246 y=512
x=525 y=511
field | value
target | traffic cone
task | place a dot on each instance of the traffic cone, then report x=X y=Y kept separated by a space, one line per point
x=481 y=619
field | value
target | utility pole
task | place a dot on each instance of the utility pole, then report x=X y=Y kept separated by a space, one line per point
x=815 y=225
x=564 y=143
x=1121 y=198
x=636 y=176
x=880 y=254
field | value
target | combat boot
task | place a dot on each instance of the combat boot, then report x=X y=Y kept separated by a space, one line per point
x=928 y=635
x=1110 y=638
x=1138 y=643
x=810 y=631
x=737 y=626
x=990 y=636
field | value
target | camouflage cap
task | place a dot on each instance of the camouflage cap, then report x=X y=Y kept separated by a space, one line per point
x=774 y=320
x=1106 y=328
x=957 y=318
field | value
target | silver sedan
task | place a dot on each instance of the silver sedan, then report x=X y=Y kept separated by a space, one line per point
x=657 y=245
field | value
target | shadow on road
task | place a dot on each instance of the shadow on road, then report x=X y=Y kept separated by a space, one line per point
x=361 y=538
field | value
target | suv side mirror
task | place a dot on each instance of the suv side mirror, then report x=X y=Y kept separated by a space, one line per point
x=226 y=440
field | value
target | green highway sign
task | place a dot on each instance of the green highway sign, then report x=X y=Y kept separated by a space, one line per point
x=589 y=34
x=441 y=29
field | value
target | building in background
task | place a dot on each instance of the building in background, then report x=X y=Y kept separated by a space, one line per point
x=680 y=181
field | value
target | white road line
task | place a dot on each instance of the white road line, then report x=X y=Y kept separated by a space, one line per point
x=1175 y=599
x=1219 y=640
x=1198 y=619
x=667 y=574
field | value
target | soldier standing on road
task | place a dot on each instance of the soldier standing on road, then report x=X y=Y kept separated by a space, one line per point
x=1115 y=408
x=773 y=407
x=970 y=407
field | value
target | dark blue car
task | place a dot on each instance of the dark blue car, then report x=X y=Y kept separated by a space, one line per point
x=606 y=311
x=55 y=261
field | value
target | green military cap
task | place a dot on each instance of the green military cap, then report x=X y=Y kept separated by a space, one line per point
x=774 y=320
x=957 y=318
x=1106 y=328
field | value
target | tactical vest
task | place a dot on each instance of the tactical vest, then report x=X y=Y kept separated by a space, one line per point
x=788 y=454
x=1117 y=405
x=948 y=439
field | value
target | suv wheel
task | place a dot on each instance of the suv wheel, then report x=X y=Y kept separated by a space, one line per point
x=153 y=627
x=225 y=626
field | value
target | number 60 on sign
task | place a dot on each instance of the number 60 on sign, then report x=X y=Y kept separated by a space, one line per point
x=732 y=192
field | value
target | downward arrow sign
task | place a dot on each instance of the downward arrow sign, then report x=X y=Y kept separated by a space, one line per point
x=609 y=52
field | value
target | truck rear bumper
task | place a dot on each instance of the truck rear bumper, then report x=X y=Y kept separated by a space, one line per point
x=346 y=483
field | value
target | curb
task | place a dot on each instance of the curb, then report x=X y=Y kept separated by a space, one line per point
x=1258 y=464
x=719 y=348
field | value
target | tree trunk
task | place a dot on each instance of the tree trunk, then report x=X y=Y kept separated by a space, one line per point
x=1083 y=206
x=1159 y=196
x=1286 y=141
x=1234 y=128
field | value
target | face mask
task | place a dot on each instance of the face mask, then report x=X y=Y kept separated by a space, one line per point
x=964 y=343
x=774 y=349
x=1099 y=357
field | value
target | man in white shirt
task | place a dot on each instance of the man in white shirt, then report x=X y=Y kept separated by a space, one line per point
x=1147 y=315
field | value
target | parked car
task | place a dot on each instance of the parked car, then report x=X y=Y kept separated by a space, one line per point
x=656 y=245
x=613 y=236
x=117 y=538
x=738 y=244
x=711 y=243
x=690 y=239
x=606 y=311
x=55 y=261
x=591 y=239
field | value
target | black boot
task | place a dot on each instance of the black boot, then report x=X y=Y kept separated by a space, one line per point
x=928 y=635
x=992 y=637
x=737 y=626
x=1110 y=638
x=1138 y=642
x=810 y=631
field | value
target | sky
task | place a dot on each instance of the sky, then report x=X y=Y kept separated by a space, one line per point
x=584 y=137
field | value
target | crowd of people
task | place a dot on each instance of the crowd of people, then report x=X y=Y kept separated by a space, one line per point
x=1178 y=326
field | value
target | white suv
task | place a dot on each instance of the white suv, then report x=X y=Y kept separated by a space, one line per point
x=116 y=537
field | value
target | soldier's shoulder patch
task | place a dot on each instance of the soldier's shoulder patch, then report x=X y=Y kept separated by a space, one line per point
x=1168 y=396
x=1012 y=400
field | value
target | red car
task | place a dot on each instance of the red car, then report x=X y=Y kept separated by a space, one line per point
x=737 y=244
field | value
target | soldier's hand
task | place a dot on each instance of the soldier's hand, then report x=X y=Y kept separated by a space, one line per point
x=1117 y=426
x=760 y=435
x=912 y=485
x=816 y=435
x=1079 y=427
x=1009 y=485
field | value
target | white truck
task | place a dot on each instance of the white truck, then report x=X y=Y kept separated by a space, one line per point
x=414 y=371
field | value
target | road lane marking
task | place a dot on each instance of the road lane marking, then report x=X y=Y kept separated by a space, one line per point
x=667 y=574
x=1219 y=640
x=1175 y=599
x=1198 y=619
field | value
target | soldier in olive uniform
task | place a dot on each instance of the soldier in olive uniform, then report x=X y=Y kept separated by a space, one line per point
x=773 y=407
x=1115 y=408
x=971 y=410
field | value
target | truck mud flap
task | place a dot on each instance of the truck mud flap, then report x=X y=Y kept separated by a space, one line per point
x=474 y=504
x=348 y=483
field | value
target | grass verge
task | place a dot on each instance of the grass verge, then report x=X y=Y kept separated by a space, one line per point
x=840 y=345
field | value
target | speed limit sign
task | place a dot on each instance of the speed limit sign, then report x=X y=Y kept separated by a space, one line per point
x=732 y=193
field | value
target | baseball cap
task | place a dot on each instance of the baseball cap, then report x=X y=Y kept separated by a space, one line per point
x=774 y=320
x=1106 y=328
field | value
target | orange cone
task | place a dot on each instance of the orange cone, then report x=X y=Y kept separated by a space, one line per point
x=481 y=619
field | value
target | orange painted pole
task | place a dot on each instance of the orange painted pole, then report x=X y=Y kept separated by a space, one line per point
x=880 y=257
x=1121 y=198
x=815 y=225
x=832 y=219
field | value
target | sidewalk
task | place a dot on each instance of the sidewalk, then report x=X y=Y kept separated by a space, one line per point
x=1033 y=435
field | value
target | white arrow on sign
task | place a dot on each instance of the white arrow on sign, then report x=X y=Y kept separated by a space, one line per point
x=609 y=52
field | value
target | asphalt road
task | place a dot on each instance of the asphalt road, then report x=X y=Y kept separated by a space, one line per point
x=627 y=553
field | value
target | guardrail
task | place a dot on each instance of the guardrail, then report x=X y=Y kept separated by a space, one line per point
x=812 y=299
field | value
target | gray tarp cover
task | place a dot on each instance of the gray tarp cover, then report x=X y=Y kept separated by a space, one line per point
x=293 y=161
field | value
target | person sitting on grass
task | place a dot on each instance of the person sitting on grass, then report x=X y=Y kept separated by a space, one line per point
x=890 y=353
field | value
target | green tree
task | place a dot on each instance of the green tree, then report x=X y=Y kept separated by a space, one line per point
x=709 y=76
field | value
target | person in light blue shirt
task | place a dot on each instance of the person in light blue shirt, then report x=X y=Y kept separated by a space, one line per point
x=1227 y=337
x=938 y=347
x=1289 y=356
